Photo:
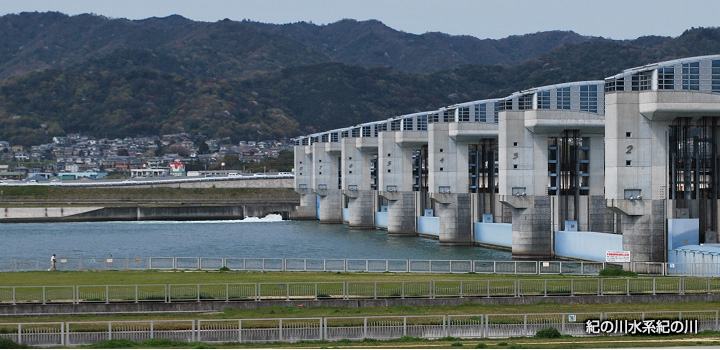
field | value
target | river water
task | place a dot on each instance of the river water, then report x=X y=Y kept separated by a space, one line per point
x=250 y=238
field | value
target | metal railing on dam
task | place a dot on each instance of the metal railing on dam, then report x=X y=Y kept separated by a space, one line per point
x=169 y=293
x=357 y=265
x=359 y=328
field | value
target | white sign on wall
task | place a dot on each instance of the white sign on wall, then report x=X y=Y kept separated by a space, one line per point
x=617 y=256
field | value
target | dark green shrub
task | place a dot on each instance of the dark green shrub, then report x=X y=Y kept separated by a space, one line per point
x=616 y=272
x=548 y=333
x=502 y=343
x=407 y=339
x=449 y=339
x=481 y=346
x=456 y=344
x=162 y=343
x=9 y=344
x=224 y=269
x=115 y=344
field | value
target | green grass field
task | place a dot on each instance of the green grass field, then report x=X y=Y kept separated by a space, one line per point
x=62 y=278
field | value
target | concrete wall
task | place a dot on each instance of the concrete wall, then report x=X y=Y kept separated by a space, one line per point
x=683 y=232
x=225 y=183
x=586 y=245
x=134 y=213
x=381 y=219
x=428 y=225
x=494 y=234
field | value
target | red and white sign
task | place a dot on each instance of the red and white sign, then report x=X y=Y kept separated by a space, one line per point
x=177 y=168
x=617 y=256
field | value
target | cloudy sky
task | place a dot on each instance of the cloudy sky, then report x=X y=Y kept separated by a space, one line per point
x=616 y=19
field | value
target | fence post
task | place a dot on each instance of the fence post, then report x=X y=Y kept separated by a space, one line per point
x=545 y=287
x=525 y=325
x=345 y=291
x=107 y=294
x=462 y=294
x=572 y=287
x=316 y=291
x=404 y=326
x=562 y=327
x=654 y=287
x=628 y=286
x=600 y=285
x=14 y=296
x=19 y=333
x=402 y=290
x=375 y=291
x=136 y=294
x=152 y=329
x=198 y=292
x=168 y=290
x=109 y=330
x=682 y=285
x=708 y=284
x=281 y=330
x=287 y=291
x=582 y=267
x=446 y=321
x=488 y=288
x=227 y=292
x=199 y=327
x=364 y=327
x=240 y=331
x=43 y=295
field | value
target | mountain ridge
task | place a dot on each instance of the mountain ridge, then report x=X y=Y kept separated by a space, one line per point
x=253 y=81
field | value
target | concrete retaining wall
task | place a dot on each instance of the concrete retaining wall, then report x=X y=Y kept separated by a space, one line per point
x=495 y=234
x=586 y=245
x=137 y=213
x=224 y=183
x=428 y=225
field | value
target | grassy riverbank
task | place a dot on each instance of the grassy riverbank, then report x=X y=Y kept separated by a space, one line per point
x=72 y=278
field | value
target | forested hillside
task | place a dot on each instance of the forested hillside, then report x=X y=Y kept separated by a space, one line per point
x=252 y=81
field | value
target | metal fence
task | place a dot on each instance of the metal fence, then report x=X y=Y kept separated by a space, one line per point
x=338 y=328
x=356 y=290
x=358 y=265
x=306 y=264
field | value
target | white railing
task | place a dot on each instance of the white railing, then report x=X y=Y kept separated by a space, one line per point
x=306 y=264
x=169 y=293
x=353 y=328
x=358 y=265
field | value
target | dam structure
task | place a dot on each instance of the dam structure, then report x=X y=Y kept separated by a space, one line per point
x=628 y=163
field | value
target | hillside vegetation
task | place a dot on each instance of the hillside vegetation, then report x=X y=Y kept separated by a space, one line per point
x=252 y=81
